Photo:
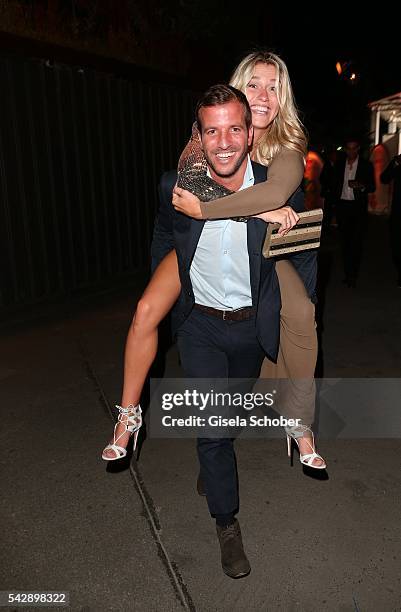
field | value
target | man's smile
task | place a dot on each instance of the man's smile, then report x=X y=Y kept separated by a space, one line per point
x=225 y=155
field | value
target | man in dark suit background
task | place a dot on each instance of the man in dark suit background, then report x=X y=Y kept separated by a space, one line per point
x=354 y=180
x=227 y=315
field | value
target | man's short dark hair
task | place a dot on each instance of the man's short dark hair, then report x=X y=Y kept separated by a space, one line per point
x=352 y=138
x=222 y=94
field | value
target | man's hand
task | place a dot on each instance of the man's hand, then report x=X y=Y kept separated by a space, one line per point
x=187 y=203
x=286 y=216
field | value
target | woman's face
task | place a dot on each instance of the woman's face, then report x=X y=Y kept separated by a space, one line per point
x=261 y=92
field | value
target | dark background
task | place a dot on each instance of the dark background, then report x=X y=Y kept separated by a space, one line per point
x=199 y=42
x=98 y=100
x=312 y=39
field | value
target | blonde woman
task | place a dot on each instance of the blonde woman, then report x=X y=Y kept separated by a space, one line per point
x=279 y=143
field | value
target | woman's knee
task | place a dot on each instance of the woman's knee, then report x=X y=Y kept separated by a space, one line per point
x=299 y=314
x=306 y=312
x=145 y=315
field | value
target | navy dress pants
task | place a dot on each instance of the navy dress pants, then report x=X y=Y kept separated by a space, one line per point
x=213 y=348
x=351 y=219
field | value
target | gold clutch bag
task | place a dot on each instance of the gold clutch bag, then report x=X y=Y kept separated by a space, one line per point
x=304 y=235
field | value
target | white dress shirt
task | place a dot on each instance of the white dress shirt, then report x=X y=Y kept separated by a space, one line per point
x=349 y=175
x=219 y=271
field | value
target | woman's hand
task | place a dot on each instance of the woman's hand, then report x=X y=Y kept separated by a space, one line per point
x=186 y=202
x=286 y=216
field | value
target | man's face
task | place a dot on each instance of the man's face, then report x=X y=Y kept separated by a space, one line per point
x=352 y=150
x=225 y=138
x=261 y=92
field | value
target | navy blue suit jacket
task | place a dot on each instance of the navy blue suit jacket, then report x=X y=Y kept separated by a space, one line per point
x=175 y=230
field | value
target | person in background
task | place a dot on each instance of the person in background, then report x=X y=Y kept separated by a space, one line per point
x=393 y=173
x=353 y=181
x=312 y=183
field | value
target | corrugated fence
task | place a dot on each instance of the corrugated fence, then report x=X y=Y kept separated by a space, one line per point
x=81 y=154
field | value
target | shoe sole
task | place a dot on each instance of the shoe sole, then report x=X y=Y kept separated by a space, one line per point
x=240 y=575
x=113 y=458
x=315 y=467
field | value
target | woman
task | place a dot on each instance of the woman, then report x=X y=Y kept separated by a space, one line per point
x=280 y=143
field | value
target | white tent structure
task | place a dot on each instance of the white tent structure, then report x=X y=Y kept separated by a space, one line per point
x=386 y=113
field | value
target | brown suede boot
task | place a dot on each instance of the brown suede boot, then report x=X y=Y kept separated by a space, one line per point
x=199 y=487
x=233 y=558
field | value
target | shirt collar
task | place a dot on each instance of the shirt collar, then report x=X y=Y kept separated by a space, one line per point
x=354 y=163
x=249 y=178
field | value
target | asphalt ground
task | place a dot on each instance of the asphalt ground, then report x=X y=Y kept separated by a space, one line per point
x=137 y=536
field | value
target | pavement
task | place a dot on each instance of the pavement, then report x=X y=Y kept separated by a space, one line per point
x=138 y=537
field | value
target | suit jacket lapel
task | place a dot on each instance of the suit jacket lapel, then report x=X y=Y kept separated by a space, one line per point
x=195 y=231
x=360 y=174
x=256 y=232
x=259 y=172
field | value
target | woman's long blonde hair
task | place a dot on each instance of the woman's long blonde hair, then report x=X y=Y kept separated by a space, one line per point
x=286 y=130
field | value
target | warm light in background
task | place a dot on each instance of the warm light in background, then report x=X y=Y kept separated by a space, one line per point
x=347 y=71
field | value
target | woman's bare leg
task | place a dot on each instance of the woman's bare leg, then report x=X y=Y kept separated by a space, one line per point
x=297 y=353
x=141 y=346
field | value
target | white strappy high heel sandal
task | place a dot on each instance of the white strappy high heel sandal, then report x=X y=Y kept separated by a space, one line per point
x=131 y=418
x=308 y=458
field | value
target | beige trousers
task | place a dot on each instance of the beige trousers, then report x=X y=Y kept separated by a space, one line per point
x=298 y=349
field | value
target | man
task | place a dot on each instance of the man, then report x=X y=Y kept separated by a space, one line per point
x=354 y=179
x=227 y=315
x=393 y=173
